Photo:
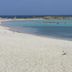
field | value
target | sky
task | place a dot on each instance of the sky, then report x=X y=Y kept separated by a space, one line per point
x=35 y=7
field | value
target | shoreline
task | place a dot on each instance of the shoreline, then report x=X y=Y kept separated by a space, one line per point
x=11 y=29
x=20 y=52
x=18 y=19
x=8 y=29
x=24 y=19
x=48 y=36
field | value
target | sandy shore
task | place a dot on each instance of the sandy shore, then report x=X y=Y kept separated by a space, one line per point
x=28 y=53
x=18 y=19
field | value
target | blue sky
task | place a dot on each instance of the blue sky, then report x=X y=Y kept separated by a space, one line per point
x=35 y=7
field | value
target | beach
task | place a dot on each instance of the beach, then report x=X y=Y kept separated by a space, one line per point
x=20 y=52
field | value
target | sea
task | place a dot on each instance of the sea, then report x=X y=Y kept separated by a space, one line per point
x=48 y=28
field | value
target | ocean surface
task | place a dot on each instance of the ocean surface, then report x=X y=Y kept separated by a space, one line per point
x=48 y=28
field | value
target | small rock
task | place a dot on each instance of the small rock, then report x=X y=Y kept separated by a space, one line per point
x=63 y=53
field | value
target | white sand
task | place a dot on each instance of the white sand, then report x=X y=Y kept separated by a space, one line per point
x=28 y=53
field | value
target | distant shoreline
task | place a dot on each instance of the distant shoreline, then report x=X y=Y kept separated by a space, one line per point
x=60 y=17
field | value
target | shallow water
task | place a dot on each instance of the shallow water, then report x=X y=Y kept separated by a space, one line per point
x=52 y=28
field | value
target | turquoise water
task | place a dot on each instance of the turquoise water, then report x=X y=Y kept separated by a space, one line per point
x=41 y=23
x=52 y=28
